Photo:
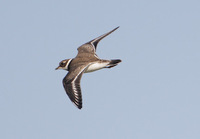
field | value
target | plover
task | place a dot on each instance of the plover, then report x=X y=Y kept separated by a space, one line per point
x=85 y=61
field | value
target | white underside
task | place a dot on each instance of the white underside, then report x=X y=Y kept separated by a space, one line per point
x=96 y=66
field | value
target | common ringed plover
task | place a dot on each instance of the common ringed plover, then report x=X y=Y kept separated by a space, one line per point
x=85 y=61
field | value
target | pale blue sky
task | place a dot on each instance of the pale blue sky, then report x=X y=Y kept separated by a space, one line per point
x=153 y=94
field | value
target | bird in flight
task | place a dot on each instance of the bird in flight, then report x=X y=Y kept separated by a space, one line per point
x=85 y=61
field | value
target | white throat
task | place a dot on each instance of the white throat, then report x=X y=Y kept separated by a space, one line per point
x=67 y=65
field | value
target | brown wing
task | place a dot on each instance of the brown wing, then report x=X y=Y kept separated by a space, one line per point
x=91 y=46
x=71 y=83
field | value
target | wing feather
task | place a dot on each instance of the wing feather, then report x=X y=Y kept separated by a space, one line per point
x=91 y=46
x=71 y=83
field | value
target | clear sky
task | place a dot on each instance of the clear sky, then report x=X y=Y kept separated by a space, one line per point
x=153 y=94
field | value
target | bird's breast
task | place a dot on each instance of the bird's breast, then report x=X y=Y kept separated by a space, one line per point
x=96 y=66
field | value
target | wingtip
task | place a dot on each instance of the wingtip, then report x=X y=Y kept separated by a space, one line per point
x=117 y=27
x=96 y=40
x=79 y=107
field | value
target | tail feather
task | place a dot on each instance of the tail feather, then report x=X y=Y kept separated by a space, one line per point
x=113 y=63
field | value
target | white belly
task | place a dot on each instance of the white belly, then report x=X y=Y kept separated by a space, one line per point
x=96 y=66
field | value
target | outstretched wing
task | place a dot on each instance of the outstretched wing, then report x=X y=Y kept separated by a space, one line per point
x=71 y=83
x=91 y=46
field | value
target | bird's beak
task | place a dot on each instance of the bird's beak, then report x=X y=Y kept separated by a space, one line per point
x=57 y=68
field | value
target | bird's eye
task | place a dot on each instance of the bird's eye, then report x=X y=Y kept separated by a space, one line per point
x=61 y=64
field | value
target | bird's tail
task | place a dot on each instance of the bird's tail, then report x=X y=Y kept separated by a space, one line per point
x=113 y=63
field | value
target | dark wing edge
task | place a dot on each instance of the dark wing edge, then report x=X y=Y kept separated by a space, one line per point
x=73 y=88
x=95 y=41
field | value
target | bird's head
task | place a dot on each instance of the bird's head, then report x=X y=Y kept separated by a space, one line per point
x=64 y=64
